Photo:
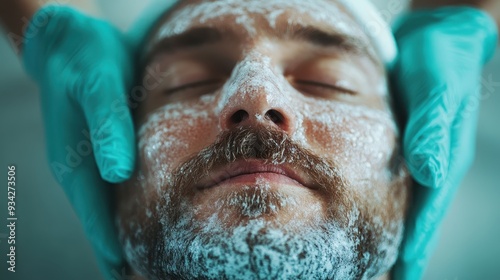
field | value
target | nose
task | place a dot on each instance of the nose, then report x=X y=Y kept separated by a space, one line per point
x=257 y=108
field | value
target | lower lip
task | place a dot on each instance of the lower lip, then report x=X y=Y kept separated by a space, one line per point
x=256 y=179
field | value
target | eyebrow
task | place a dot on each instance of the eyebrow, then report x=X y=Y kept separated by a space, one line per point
x=323 y=38
x=201 y=36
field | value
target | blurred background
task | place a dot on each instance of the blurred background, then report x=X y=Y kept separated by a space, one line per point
x=50 y=241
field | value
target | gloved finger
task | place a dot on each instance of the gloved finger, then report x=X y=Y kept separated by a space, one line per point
x=434 y=83
x=73 y=165
x=463 y=137
x=103 y=100
x=427 y=137
x=430 y=205
x=428 y=92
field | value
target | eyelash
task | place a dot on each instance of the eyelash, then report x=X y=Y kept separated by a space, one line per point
x=301 y=82
x=192 y=85
x=326 y=86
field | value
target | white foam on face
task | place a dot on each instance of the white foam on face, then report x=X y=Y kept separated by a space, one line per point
x=252 y=205
x=260 y=250
x=165 y=135
x=321 y=10
x=359 y=139
x=367 y=18
x=253 y=78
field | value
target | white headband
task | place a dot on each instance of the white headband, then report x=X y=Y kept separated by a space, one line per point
x=363 y=11
x=375 y=27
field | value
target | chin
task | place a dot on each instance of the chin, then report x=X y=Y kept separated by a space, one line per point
x=281 y=205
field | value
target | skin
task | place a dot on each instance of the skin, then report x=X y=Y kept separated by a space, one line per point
x=13 y=12
x=329 y=100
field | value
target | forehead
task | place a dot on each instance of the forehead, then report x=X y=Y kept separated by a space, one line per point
x=246 y=14
x=245 y=21
x=253 y=16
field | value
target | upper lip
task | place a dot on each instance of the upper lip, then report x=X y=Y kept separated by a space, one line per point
x=251 y=167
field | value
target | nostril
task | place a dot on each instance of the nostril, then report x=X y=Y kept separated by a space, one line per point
x=239 y=116
x=275 y=116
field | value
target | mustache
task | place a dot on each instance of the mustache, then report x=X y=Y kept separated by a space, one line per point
x=270 y=145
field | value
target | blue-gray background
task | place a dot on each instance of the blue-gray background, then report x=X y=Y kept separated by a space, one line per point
x=50 y=241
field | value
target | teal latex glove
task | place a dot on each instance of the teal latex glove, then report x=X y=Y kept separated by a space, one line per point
x=438 y=77
x=83 y=68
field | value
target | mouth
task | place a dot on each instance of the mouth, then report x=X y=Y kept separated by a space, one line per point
x=254 y=172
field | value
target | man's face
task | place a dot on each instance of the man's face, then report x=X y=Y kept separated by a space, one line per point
x=267 y=148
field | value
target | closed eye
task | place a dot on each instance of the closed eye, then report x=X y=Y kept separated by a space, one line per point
x=329 y=87
x=193 y=85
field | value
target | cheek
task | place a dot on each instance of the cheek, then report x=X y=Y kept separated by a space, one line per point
x=170 y=135
x=359 y=140
x=166 y=139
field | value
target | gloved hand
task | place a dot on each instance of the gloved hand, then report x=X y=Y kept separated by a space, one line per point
x=437 y=77
x=83 y=68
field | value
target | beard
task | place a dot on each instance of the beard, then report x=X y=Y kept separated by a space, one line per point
x=348 y=237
